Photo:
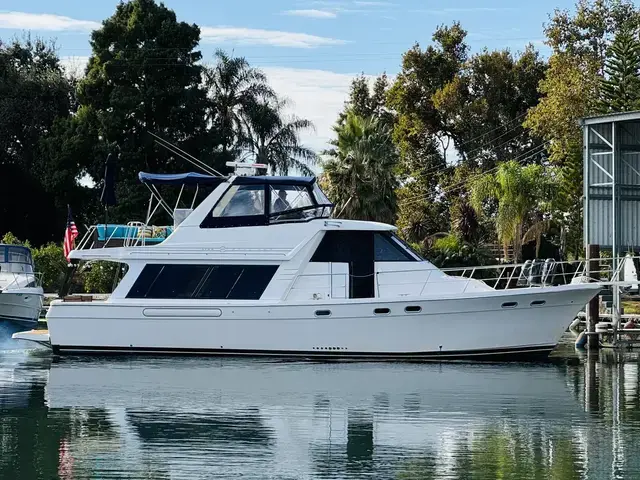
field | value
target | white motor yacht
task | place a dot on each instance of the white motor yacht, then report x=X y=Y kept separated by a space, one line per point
x=260 y=267
x=21 y=294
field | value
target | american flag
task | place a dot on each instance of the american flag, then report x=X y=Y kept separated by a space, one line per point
x=70 y=234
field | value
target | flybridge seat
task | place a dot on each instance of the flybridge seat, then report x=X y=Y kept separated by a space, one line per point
x=122 y=235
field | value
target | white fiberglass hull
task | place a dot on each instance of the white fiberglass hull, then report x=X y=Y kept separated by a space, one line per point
x=21 y=307
x=502 y=324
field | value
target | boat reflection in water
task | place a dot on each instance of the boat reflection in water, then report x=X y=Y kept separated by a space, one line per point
x=205 y=418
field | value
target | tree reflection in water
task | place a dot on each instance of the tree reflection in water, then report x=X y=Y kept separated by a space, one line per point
x=587 y=431
x=501 y=453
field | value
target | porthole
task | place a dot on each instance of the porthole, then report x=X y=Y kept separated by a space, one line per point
x=509 y=304
x=538 y=303
x=413 y=309
x=381 y=311
x=323 y=313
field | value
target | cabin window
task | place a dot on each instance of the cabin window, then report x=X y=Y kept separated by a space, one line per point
x=229 y=282
x=241 y=201
x=345 y=246
x=387 y=250
x=289 y=197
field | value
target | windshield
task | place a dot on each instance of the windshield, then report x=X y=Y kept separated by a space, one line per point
x=241 y=201
x=15 y=254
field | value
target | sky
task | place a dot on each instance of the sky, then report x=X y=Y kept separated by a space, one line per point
x=309 y=49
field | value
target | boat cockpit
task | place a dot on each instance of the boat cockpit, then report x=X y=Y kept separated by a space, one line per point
x=263 y=200
x=16 y=267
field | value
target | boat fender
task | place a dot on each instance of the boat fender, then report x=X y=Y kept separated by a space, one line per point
x=604 y=327
x=574 y=325
x=581 y=341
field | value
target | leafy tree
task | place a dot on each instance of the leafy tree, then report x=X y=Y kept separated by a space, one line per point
x=360 y=172
x=274 y=139
x=233 y=87
x=421 y=133
x=34 y=95
x=366 y=102
x=588 y=33
x=483 y=106
x=423 y=73
x=144 y=76
x=519 y=191
x=620 y=87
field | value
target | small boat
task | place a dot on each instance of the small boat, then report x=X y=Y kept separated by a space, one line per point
x=261 y=268
x=21 y=293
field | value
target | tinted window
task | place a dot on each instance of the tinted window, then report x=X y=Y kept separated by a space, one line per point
x=387 y=250
x=233 y=282
x=342 y=247
x=345 y=246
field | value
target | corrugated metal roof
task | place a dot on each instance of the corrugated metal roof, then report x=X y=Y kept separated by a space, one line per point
x=611 y=117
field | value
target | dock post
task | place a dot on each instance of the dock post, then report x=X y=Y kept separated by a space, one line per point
x=593 y=308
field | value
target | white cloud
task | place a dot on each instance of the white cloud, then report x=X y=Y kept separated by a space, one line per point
x=44 y=21
x=317 y=95
x=74 y=65
x=445 y=11
x=374 y=4
x=256 y=36
x=311 y=13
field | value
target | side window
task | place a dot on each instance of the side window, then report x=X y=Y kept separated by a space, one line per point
x=241 y=201
x=387 y=250
x=169 y=281
x=289 y=197
x=232 y=282
x=343 y=247
x=236 y=282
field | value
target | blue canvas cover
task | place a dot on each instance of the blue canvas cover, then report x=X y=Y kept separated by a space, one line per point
x=189 y=178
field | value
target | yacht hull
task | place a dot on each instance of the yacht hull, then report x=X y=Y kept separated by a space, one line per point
x=523 y=324
x=20 y=309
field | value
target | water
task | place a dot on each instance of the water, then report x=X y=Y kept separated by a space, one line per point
x=202 y=418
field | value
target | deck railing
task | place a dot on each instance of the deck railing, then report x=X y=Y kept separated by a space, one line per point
x=133 y=234
x=23 y=280
x=530 y=274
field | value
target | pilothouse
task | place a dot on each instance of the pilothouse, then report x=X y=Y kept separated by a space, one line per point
x=260 y=267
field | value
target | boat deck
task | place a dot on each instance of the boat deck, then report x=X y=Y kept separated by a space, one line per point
x=37 y=336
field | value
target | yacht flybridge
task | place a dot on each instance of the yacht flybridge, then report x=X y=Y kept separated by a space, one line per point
x=260 y=267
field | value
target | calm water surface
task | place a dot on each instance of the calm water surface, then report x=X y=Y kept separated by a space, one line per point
x=170 y=418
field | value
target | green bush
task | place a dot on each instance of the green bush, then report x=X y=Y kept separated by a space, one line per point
x=99 y=276
x=451 y=251
x=50 y=262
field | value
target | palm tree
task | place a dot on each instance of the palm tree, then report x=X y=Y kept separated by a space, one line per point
x=519 y=192
x=232 y=87
x=360 y=173
x=273 y=138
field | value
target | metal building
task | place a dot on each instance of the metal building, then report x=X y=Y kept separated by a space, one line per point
x=612 y=185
